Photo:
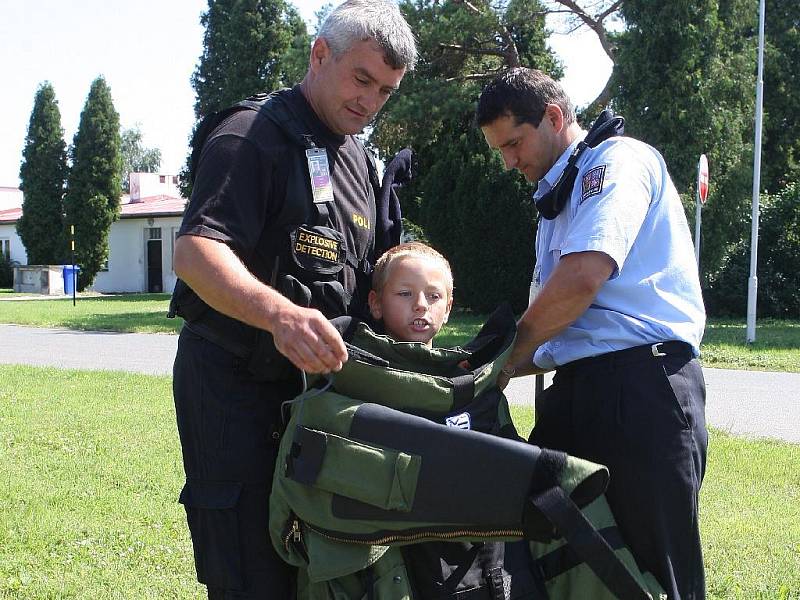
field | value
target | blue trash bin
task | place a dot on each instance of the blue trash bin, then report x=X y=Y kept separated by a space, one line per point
x=70 y=274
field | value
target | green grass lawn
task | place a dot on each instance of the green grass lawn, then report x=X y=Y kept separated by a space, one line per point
x=777 y=346
x=90 y=472
x=144 y=313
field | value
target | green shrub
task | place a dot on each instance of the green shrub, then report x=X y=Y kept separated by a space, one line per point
x=778 y=260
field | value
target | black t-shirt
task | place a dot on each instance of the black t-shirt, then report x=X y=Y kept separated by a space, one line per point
x=241 y=184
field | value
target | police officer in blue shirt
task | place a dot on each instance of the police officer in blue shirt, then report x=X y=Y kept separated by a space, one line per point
x=617 y=311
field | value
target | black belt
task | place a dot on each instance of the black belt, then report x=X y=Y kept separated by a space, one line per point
x=635 y=354
x=232 y=335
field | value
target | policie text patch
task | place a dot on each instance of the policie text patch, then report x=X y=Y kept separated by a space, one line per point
x=592 y=182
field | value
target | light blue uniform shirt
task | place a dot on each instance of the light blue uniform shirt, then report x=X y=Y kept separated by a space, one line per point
x=624 y=205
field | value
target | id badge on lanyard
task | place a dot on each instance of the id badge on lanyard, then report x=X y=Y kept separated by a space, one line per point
x=320 y=174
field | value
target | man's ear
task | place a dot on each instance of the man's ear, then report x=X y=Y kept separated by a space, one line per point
x=320 y=51
x=374 y=301
x=555 y=115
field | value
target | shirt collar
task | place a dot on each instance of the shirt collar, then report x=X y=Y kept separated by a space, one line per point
x=547 y=182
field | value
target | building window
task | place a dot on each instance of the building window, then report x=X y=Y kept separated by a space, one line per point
x=162 y=179
x=174 y=180
x=154 y=233
x=5 y=247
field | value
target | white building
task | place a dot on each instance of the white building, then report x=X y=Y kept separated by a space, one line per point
x=10 y=244
x=140 y=244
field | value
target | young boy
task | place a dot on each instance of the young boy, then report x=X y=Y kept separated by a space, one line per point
x=412 y=292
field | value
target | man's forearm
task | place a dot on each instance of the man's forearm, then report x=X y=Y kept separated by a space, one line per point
x=217 y=275
x=567 y=294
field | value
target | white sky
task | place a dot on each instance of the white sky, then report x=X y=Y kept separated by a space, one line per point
x=147 y=51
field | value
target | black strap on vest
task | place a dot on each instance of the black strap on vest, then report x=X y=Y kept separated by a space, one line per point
x=583 y=539
x=185 y=302
x=554 y=201
x=281 y=113
x=463 y=389
x=562 y=559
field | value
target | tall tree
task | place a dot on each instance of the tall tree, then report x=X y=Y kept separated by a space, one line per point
x=780 y=160
x=94 y=182
x=136 y=158
x=685 y=84
x=43 y=173
x=477 y=215
x=249 y=46
x=244 y=46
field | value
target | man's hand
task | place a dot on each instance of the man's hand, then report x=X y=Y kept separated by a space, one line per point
x=217 y=275
x=308 y=339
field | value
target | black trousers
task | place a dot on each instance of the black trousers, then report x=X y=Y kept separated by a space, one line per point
x=228 y=424
x=644 y=418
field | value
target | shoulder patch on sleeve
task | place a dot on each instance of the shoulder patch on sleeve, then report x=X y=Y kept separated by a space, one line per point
x=592 y=183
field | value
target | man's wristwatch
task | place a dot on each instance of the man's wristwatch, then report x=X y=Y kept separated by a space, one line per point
x=509 y=370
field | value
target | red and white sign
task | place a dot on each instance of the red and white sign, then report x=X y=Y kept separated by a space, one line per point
x=702 y=178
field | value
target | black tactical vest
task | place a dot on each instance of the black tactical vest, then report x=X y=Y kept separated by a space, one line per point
x=307 y=253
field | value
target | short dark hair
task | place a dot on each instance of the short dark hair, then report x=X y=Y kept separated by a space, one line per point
x=523 y=94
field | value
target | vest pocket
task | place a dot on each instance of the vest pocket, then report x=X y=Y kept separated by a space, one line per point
x=378 y=476
x=211 y=512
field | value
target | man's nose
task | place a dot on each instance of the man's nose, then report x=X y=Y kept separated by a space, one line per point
x=509 y=160
x=371 y=100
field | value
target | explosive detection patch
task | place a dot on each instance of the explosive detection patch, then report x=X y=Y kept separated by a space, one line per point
x=313 y=244
x=592 y=182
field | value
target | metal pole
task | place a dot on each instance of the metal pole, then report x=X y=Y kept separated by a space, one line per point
x=752 y=284
x=74 y=275
x=697 y=218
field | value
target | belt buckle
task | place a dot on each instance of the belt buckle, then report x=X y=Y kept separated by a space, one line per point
x=656 y=352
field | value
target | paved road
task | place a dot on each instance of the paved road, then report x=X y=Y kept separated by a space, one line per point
x=755 y=403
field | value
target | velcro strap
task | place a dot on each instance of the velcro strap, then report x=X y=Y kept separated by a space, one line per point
x=304 y=461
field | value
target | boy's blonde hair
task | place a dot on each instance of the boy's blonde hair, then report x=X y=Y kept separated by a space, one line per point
x=413 y=250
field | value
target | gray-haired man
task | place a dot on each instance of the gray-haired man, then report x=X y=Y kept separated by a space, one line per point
x=261 y=249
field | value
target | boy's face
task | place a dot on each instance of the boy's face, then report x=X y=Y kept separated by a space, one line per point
x=414 y=303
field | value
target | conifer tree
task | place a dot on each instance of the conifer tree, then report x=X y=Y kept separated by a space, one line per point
x=479 y=217
x=43 y=173
x=244 y=45
x=93 y=185
x=249 y=46
x=685 y=75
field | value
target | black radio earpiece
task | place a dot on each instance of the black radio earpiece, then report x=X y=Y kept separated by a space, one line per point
x=553 y=202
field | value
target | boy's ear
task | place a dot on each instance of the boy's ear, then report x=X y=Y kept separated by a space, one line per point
x=374 y=302
x=449 y=306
